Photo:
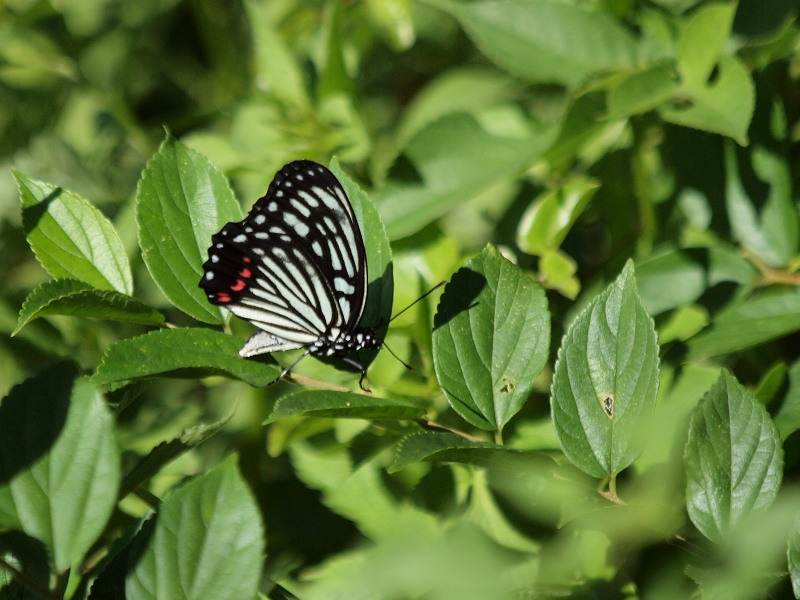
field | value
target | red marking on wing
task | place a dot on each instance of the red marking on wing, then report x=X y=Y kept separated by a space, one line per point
x=238 y=286
x=223 y=297
x=246 y=273
x=246 y=259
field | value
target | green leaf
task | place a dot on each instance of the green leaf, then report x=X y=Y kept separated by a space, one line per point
x=188 y=352
x=59 y=463
x=490 y=340
x=570 y=43
x=71 y=238
x=770 y=315
x=793 y=557
x=549 y=218
x=787 y=419
x=767 y=226
x=733 y=460
x=557 y=272
x=79 y=299
x=314 y=403
x=275 y=67
x=472 y=90
x=456 y=160
x=703 y=41
x=721 y=104
x=442 y=447
x=166 y=452
x=642 y=91
x=182 y=199
x=683 y=323
x=724 y=105
x=394 y=19
x=679 y=276
x=606 y=380
x=206 y=544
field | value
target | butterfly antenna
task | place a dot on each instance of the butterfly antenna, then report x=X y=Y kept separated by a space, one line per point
x=428 y=293
x=402 y=362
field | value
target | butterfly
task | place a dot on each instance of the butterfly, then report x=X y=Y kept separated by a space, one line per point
x=296 y=268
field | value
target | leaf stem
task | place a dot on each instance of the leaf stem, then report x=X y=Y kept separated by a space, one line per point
x=433 y=426
x=769 y=275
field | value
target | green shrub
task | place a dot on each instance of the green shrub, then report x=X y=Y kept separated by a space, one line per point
x=604 y=396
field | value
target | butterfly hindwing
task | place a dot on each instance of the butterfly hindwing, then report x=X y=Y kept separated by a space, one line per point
x=295 y=267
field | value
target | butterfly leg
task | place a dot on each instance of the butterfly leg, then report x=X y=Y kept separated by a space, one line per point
x=287 y=370
x=361 y=368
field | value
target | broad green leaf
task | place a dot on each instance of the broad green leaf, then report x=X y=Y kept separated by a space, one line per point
x=642 y=91
x=770 y=383
x=725 y=105
x=570 y=43
x=703 y=41
x=549 y=218
x=733 y=460
x=679 y=276
x=484 y=511
x=490 y=340
x=333 y=76
x=313 y=403
x=441 y=447
x=766 y=226
x=680 y=391
x=787 y=419
x=767 y=316
x=71 y=238
x=275 y=68
x=59 y=463
x=206 y=543
x=394 y=19
x=78 y=299
x=456 y=160
x=166 y=452
x=793 y=556
x=447 y=565
x=606 y=380
x=683 y=323
x=188 y=352
x=357 y=491
x=469 y=90
x=181 y=201
x=557 y=272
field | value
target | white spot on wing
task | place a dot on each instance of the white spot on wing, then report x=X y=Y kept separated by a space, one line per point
x=340 y=284
x=296 y=224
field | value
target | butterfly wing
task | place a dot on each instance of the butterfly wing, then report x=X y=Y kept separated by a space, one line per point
x=295 y=267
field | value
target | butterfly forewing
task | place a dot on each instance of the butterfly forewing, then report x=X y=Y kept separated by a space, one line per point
x=295 y=266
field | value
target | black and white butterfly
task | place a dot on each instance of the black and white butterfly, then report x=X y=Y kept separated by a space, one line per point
x=296 y=268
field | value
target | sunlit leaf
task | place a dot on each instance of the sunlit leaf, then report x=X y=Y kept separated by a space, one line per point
x=606 y=380
x=490 y=340
x=733 y=460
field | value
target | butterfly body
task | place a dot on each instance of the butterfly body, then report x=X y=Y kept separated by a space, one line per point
x=296 y=268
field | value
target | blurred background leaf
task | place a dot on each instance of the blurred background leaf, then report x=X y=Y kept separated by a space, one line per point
x=572 y=137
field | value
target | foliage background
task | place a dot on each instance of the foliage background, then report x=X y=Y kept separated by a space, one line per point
x=572 y=135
